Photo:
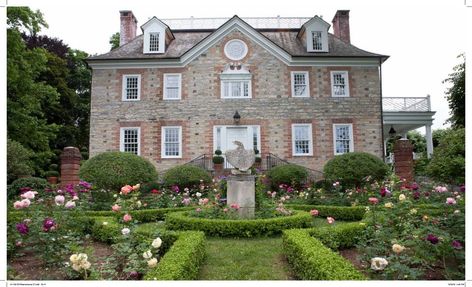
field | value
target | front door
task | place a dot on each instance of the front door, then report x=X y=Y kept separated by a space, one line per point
x=235 y=134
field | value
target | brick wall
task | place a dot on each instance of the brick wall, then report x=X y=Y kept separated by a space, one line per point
x=271 y=107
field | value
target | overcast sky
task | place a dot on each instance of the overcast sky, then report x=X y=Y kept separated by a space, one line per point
x=422 y=40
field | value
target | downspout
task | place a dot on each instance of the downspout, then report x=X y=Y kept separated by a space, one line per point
x=381 y=111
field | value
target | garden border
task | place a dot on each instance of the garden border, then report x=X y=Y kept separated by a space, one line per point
x=237 y=228
x=349 y=213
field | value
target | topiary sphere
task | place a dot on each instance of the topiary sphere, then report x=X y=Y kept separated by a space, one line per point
x=350 y=169
x=186 y=176
x=112 y=170
x=290 y=174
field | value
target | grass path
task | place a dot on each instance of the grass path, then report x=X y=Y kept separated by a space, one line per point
x=245 y=259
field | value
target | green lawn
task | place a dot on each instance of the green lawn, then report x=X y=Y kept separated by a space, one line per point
x=245 y=259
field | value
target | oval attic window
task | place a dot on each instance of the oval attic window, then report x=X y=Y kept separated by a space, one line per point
x=235 y=49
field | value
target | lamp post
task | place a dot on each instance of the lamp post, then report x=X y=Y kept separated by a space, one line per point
x=236 y=117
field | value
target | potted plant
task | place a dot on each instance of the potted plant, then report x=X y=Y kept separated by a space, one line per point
x=218 y=161
x=52 y=176
x=258 y=159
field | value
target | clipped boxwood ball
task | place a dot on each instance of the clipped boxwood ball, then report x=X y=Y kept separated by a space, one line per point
x=112 y=170
x=350 y=169
x=290 y=174
x=186 y=176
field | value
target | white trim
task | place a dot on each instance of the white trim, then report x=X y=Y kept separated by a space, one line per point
x=233 y=58
x=223 y=135
x=163 y=128
x=124 y=87
x=242 y=81
x=165 y=86
x=346 y=78
x=351 y=138
x=310 y=136
x=122 y=138
x=307 y=79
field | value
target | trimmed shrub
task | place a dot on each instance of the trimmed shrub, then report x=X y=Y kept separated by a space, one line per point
x=112 y=170
x=448 y=160
x=351 y=168
x=237 y=228
x=18 y=161
x=105 y=233
x=186 y=176
x=35 y=183
x=290 y=174
x=339 y=236
x=183 y=260
x=311 y=260
x=348 y=213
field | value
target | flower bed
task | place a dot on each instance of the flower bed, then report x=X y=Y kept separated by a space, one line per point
x=348 y=213
x=339 y=236
x=311 y=260
x=237 y=228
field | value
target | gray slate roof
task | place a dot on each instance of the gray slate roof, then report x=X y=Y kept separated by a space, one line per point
x=185 y=40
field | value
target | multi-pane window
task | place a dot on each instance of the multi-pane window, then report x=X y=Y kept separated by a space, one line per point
x=129 y=140
x=172 y=86
x=153 y=42
x=300 y=85
x=342 y=138
x=236 y=89
x=339 y=84
x=317 y=43
x=302 y=143
x=131 y=87
x=171 y=142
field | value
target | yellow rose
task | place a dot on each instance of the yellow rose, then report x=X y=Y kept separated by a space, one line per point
x=389 y=205
x=413 y=211
x=152 y=263
x=402 y=197
x=397 y=248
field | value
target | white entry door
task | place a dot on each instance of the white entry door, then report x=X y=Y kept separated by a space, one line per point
x=236 y=134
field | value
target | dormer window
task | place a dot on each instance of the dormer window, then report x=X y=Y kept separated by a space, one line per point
x=315 y=34
x=153 y=42
x=317 y=43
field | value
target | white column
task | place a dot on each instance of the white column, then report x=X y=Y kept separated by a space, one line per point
x=429 y=141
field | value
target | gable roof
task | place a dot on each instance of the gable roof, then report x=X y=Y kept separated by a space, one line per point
x=188 y=44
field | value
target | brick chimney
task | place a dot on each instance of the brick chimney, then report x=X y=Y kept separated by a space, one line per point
x=341 y=25
x=128 y=26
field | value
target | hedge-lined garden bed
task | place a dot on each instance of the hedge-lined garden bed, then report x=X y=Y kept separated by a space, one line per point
x=238 y=228
x=348 y=213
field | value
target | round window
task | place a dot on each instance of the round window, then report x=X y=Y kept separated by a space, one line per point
x=235 y=49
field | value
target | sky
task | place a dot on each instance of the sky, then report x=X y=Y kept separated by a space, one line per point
x=423 y=40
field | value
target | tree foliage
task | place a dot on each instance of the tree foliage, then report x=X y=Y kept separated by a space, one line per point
x=455 y=95
x=115 y=41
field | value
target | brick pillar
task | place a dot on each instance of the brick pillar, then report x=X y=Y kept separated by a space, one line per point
x=403 y=156
x=70 y=165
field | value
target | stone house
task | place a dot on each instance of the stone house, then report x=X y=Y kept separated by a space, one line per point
x=286 y=87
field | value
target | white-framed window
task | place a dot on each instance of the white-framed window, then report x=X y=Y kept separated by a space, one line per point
x=236 y=89
x=300 y=84
x=317 y=43
x=131 y=90
x=171 y=142
x=302 y=140
x=172 y=86
x=130 y=140
x=339 y=84
x=342 y=138
x=153 y=41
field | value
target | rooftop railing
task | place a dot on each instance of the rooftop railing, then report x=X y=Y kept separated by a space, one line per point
x=256 y=22
x=406 y=104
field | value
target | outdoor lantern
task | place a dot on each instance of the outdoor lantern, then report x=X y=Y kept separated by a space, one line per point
x=236 y=117
x=392 y=132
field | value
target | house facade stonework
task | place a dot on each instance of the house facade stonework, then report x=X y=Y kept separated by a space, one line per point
x=171 y=109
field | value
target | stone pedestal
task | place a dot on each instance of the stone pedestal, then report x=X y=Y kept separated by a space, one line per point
x=403 y=156
x=242 y=191
x=70 y=165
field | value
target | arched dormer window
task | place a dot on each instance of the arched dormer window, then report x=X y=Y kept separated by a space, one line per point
x=236 y=82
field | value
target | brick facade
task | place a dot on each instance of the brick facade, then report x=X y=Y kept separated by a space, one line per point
x=271 y=106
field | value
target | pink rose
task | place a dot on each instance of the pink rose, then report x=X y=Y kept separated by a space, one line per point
x=234 y=205
x=126 y=189
x=450 y=201
x=70 y=204
x=205 y=200
x=314 y=212
x=18 y=205
x=28 y=195
x=116 y=208
x=330 y=220
x=59 y=199
x=127 y=217
x=25 y=202
x=225 y=210
x=373 y=200
x=198 y=209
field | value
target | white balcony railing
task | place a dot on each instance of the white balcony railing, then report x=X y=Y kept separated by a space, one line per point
x=406 y=104
x=256 y=22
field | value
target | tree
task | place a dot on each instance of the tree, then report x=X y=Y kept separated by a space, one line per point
x=455 y=95
x=115 y=41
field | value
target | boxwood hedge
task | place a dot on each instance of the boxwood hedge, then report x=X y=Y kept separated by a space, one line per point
x=311 y=260
x=339 y=236
x=348 y=213
x=237 y=228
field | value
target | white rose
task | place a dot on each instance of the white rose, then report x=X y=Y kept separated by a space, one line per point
x=125 y=231
x=147 y=254
x=152 y=263
x=156 y=243
x=378 y=263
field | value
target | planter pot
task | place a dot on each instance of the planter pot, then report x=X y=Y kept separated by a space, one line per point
x=52 y=179
x=218 y=167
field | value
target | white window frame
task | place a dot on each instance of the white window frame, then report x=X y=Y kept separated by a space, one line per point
x=163 y=151
x=223 y=96
x=346 y=89
x=307 y=83
x=122 y=138
x=125 y=86
x=158 y=42
x=180 y=86
x=313 y=40
x=310 y=136
x=351 y=138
